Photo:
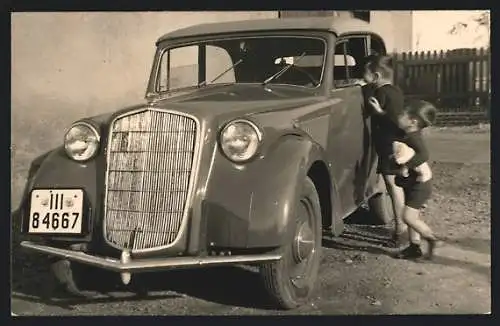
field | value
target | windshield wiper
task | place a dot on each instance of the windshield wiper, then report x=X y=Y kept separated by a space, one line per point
x=283 y=70
x=203 y=83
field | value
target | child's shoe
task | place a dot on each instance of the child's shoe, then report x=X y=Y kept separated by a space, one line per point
x=413 y=251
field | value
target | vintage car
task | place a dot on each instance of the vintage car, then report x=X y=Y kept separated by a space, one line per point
x=253 y=141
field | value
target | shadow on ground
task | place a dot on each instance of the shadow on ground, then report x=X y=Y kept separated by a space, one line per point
x=236 y=286
x=363 y=232
x=462 y=264
x=232 y=286
x=479 y=245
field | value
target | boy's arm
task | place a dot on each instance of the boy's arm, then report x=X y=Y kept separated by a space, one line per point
x=402 y=152
x=378 y=102
x=406 y=156
x=393 y=102
x=421 y=154
x=377 y=108
x=424 y=172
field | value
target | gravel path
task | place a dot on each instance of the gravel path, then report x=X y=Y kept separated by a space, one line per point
x=356 y=277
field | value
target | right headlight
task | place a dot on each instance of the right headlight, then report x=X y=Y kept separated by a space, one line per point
x=240 y=140
x=81 y=142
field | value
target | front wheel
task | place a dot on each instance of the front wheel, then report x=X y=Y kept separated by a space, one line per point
x=291 y=280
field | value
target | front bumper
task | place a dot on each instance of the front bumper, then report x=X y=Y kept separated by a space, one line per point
x=149 y=264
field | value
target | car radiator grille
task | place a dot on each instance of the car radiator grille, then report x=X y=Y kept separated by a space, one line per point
x=150 y=164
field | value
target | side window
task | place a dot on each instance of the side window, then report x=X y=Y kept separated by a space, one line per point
x=376 y=45
x=179 y=68
x=348 y=62
x=217 y=61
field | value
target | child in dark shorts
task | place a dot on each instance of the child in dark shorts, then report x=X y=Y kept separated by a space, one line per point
x=415 y=175
x=378 y=76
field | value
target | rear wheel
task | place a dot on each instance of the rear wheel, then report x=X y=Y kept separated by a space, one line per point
x=291 y=280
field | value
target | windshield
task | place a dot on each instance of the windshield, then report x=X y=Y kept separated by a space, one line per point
x=243 y=60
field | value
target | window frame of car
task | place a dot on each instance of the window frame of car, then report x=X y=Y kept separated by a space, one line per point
x=344 y=40
x=151 y=89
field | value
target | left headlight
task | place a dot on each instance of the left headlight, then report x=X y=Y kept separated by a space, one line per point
x=240 y=140
x=81 y=142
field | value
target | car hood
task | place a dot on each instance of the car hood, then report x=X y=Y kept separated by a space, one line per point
x=226 y=101
x=239 y=99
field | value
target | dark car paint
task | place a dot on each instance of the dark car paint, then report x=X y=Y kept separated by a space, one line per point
x=300 y=125
x=337 y=25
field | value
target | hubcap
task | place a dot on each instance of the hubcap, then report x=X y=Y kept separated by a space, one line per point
x=303 y=244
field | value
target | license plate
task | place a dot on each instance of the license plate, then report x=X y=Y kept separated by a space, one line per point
x=56 y=211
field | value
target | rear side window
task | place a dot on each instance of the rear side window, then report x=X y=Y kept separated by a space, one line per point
x=349 y=57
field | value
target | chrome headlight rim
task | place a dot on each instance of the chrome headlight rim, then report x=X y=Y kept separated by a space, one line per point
x=94 y=131
x=254 y=127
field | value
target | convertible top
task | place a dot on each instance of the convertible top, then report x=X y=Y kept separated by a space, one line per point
x=336 y=25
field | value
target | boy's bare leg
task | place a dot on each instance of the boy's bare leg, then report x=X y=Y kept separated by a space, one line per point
x=415 y=237
x=411 y=217
x=397 y=198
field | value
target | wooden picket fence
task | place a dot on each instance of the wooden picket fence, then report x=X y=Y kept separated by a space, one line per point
x=458 y=82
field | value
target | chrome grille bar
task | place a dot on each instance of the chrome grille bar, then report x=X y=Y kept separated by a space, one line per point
x=150 y=164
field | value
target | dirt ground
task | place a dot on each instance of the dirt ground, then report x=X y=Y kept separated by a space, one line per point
x=357 y=275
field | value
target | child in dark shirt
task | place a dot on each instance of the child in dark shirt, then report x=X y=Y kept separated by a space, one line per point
x=415 y=175
x=378 y=76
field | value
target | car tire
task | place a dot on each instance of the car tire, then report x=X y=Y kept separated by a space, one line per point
x=291 y=280
x=381 y=210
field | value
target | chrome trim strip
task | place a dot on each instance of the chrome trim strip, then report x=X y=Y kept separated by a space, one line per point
x=200 y=130
x=150 y=264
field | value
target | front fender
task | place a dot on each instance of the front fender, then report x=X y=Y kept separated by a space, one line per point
x=249 y=206
x=55 y=170
x=34 y=167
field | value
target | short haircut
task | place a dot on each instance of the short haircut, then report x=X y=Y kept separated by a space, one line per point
x=380 y=63
x=422 y=111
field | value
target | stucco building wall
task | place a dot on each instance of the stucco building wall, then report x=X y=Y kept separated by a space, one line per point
x=92 y=61
x=395 y=26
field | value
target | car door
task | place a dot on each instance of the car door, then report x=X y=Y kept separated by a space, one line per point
x=349 y=142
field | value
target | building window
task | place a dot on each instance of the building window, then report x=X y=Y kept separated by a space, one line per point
x=362 y=14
